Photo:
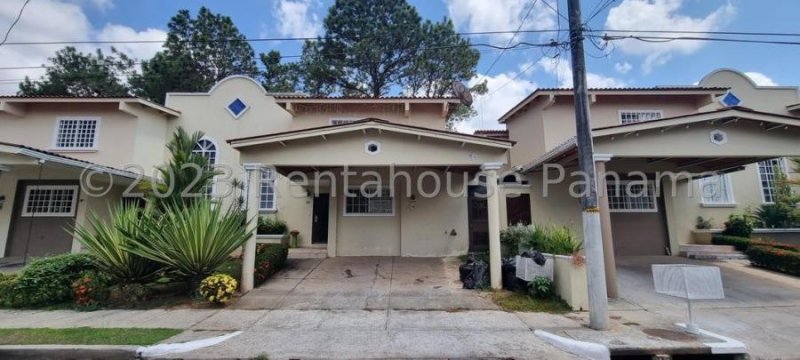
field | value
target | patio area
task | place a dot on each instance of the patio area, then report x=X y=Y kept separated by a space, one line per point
x=366 y=283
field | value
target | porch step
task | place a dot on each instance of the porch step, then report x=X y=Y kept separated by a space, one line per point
x=711 y=252
x=308 y=253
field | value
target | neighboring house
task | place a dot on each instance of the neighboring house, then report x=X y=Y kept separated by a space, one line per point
x=726 y=126
x=274 y=135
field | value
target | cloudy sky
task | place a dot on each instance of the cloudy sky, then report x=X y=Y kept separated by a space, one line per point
x=516 y=73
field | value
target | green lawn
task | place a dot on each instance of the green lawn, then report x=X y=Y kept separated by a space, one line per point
x=526 y=303
x=85 y=336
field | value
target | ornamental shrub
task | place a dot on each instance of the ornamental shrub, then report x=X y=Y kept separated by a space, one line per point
x=49 y=280
x=773 y=258
x=271 y=225
x=218 y=288
x=270 y=258
x=740 y=243
x=90 y=289
x=739 y=225
x=541 y=287
x=7 y=283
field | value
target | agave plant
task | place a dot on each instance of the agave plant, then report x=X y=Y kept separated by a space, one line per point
x=107 y=241
x=194 y=239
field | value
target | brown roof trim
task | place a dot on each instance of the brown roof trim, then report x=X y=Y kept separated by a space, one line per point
x=631 y=90
x=738 y=108
x=492 y=133
x=94 y=99
x=311 y=97
x=50 y=153
x=364 y=121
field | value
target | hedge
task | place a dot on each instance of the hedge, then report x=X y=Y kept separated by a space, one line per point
x=270 y=258
x=774 y=258
x=46 y=281
x=740 y=243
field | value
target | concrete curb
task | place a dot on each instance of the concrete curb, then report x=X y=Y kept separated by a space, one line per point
x=67 y=352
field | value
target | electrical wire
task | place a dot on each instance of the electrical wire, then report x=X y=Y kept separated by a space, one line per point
x=666 y=39
x=521 y=24
x=14 y=23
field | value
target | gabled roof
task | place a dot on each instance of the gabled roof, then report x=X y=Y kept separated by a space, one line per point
x=368 y=123
x=64 y=160
x=284 y=96
x=122 y=100
x=631 y=91
x=492 y=133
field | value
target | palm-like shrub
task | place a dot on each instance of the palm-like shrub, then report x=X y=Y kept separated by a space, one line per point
x=193 y=239
x=108 y=242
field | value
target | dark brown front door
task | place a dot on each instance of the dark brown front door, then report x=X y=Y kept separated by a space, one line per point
x=518 y=208
x=43 y=213
x=319 y=226
x=478 y=217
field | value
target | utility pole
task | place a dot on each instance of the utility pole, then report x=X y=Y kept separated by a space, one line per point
x=592 y=236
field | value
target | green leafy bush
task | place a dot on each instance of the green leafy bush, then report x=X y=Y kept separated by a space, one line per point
x=108 y=243
x=773 y=258
x=740 y=243
x=193 y=240
x=270 y=258
x=551 y=239
x=270 y=225
x=512 y=238
x=703 y=224
x=541 y=287
x=7 y=283
x=48 y=280
x=739 y=225
x=90 y=290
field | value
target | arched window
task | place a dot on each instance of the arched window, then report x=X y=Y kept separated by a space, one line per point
x=207 y=148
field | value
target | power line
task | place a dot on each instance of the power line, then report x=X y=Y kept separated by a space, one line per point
x=521 y=24
x=665 y=39
x=14 y=23
x=599 y=10
x=743 y=33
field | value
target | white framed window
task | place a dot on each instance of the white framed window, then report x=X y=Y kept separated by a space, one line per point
x=372 y=201
x=50 y=200
x=76 y=133
x=767 y=176
x=266 y=197
x=716 y=190
x=631 y=196
x=342 y=121
x=636 y=116
x=207 y=148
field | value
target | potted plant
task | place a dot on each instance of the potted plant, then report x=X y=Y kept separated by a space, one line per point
x=271 y=229
x=703 y=231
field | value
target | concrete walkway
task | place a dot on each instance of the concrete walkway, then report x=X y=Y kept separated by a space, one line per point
x=366 y=283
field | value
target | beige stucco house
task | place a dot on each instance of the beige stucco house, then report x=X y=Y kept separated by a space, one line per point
x=315 y=162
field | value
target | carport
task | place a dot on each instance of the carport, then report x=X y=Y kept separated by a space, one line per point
x=655 y=162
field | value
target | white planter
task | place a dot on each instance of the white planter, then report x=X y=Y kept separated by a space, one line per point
x=269 y=238
x=570 y=281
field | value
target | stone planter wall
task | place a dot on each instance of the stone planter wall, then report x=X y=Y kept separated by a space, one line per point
x=782 y=236
x=703 y=236
x=272 y=238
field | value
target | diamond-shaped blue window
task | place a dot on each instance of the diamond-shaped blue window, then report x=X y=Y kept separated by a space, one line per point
x=237 y=107
x=729 y=99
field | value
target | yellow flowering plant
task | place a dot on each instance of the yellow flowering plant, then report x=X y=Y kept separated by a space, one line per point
x=218 y=288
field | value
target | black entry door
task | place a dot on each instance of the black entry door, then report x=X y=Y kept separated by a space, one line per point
x=518 y=209
x=319 y=227
x=478 y=218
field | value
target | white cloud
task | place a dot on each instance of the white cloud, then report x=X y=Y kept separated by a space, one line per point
x=505 y=91
x=660 y=15
x=57 y=20
x=623 y=67
x=498 y=15
x=561 y=69
x=295 y=18
x=760 y=79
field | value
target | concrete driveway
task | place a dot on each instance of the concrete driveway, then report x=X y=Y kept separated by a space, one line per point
x=761 y=308
x=366 y=283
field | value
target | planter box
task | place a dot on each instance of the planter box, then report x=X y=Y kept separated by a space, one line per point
x=570 y=281
x=703 y=236
x=272 y=239
x=781 y=236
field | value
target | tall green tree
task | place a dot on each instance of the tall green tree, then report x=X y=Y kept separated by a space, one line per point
x=279 y=77
x=367 y=47
x=74 y=73
x=198 y=52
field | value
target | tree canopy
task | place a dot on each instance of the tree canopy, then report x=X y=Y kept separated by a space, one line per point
x=74 y=73
x=198 y=53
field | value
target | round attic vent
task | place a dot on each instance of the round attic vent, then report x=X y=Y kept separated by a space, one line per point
x=372 y=147
x=718 y=137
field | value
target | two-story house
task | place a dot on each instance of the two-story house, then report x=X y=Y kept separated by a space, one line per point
x=670 y=154
x=311 y=161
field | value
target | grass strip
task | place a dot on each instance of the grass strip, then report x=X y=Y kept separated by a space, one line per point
x=85 y=336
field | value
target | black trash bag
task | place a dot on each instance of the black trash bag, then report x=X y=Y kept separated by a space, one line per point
x=510 y=280
x=537 y=257
x=473 y=273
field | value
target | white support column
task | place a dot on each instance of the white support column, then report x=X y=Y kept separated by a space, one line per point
x=253 y=179
x=493 y=210
x=600 y=161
